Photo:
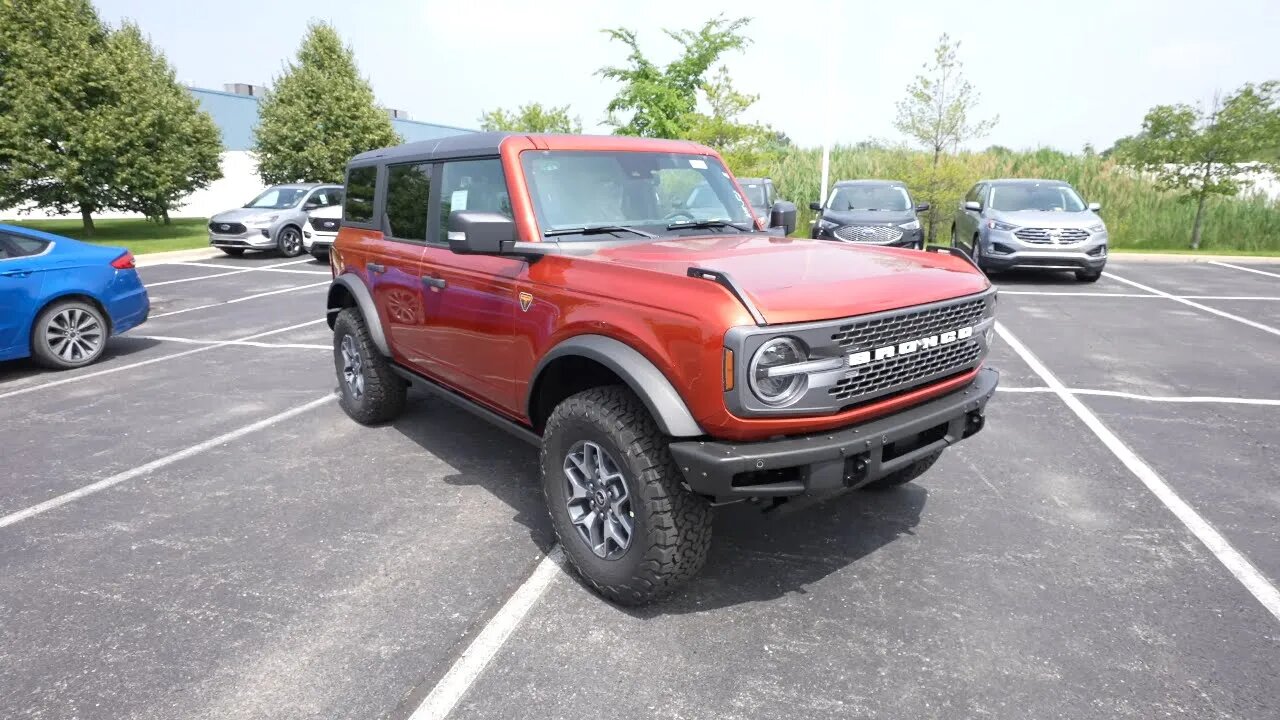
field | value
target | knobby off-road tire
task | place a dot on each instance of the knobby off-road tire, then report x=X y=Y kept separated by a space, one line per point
x=369 y=391
x=902 y=476
x=671 y=526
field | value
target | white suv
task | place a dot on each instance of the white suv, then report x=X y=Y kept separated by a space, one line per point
x=320 y=230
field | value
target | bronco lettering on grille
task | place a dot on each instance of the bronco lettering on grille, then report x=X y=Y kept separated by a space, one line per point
x=910 y=346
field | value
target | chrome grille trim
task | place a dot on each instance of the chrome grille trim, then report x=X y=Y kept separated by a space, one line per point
x=1052 y=236
x=868 y=233
x=909 y=325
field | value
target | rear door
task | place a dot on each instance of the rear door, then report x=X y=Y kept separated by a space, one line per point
x=20 y=281
x=396 y=270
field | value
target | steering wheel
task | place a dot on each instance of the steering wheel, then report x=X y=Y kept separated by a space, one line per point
x=679 y=213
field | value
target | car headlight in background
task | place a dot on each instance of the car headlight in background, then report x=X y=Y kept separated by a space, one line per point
x=913 y=225
x=781 y=389
x=1002 y=226
x=825 y=224
x=1095 y=229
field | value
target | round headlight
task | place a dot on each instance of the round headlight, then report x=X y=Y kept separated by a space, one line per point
x=782 y=389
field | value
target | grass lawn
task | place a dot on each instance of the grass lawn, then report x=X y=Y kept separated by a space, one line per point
x=139 y=236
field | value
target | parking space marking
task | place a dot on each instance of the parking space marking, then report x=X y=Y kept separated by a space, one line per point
x=162 y=358
x=235 y=270
x=141 y=470
x=1235 y=562
x=239 y=343
x=237 y=300
x=1138 y=295
x=468 y=667
x=1150 y=398
x=1198 y=306
x=1246 y=269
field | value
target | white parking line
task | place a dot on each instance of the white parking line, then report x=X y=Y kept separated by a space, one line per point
x=245 y=343
x=235 y=270
x=1198 y=306
x=1235 y=562
x=236 y=300
x=1238 y=267
x=1138 y=295
x=141 y=470
x=1149 y=398
x=162 y=358
x=467 y=668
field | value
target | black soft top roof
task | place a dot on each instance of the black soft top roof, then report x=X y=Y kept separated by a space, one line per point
x=445 y=148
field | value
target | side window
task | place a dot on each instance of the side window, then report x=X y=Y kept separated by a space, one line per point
x=477 y=185
x=972 y=195
x=361 y=183
x=16 y=246
x=408 y=187
x=324 y=197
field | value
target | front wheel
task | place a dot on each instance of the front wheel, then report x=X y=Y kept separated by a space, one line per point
x=616 y=498
x=289 y=242
x=370 y=392
x=1088 y=276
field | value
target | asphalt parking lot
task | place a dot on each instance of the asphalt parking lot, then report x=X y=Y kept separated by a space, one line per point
x=191 y=528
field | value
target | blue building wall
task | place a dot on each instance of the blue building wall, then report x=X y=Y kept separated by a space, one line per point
x=236 y=115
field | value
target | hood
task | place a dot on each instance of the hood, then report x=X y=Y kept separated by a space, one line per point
x=1041 y=218
x=793 y=280
x=239 y=214
x=869 y=217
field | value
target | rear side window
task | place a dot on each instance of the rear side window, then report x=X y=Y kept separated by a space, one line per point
x=361 y=183
x=325 y=197
x=16 y=246
x=408 y=188
x=476 y=185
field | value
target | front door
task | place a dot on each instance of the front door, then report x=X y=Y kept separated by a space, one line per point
x=20 y=281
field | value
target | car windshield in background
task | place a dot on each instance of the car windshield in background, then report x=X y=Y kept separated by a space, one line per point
x=277 y=198
x=1048 y=198
x=755 y=195
x=889 y=198
x=655 y=192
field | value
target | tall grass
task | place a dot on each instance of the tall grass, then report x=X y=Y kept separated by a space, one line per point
x=1138 y=215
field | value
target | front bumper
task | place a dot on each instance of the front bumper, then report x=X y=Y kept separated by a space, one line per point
x=252 y=238
x=317 y=240
x=1004 y=251
x=849 y=457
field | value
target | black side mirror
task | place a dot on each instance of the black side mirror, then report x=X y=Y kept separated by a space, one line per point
x=783 y=215
x=480 y=233
x=922 y=207
x=815 y=206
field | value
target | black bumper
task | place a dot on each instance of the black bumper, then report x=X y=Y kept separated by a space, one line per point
x=848 y=457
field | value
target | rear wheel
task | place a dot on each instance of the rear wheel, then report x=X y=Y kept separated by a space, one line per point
x=904 y=475
x=68 y=334
x=1088 y=275
x=617 y=500
x=321 y=255
x=370 y=392
x=976 y=254
x=289 y=242
x=233 y=252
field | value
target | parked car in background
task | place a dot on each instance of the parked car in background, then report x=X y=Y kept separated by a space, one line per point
x=1006 y=224
x=61 y=299
x=320 y=230
x=870 y=212
x=760 y=195
x=273 y=220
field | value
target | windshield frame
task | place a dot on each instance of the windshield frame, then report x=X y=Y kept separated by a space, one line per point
x=302 y=195
x=710 y=167
x=906 y=196
x=1061 y=186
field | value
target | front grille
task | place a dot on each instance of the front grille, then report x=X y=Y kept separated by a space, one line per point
x=903 y=372
x=894 y=329
x=222 y=228
x=326 y=224
x=1052 y=236
x=868 y=233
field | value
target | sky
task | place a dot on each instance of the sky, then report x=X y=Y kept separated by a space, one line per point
x=1058 y=74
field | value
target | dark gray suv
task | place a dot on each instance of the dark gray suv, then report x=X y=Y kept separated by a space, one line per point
x=869 y=212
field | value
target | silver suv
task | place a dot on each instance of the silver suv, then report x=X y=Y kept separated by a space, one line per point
x=273 y=220
x=1006 y=224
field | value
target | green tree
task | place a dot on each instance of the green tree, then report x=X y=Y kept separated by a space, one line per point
x=55 y=95
x=165 y=146
x=532 y=118
x=318 y=114
x=663 y=101
x=936 y=113
x=742 y=144
x=1199 y=153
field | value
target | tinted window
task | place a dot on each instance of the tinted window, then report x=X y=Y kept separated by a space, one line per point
x=869 y=197
x=973 y=194
x=325 y=197
x=361 y=183
x=476 y=185
x=277 y=198
x=15 y=246
x=408 y=187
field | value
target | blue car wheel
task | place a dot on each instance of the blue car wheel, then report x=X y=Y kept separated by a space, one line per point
x=68 y=334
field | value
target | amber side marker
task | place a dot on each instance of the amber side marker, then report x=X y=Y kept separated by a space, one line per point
x=728 y=369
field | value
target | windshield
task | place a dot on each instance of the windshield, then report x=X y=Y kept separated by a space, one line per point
x=277 y=198
x=755 y=195
x=1047 y=198
x=891 y=198
x=648 y=190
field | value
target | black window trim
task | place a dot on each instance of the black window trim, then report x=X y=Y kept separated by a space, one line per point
x=385 y=170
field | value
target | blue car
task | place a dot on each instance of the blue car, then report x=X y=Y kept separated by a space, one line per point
x=60 y=299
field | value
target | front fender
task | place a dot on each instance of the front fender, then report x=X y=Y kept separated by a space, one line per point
x=349 y=285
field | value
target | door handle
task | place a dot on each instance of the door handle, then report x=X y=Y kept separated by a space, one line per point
x=375 y=267
x=16 y=273
x=434 y=282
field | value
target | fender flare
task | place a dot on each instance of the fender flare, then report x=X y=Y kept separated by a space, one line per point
x=364 y=303
x=642 y=376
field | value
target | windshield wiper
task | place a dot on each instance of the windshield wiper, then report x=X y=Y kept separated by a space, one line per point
x=598 y=230
x=698 y=224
